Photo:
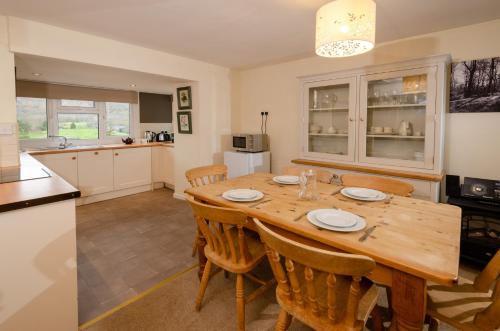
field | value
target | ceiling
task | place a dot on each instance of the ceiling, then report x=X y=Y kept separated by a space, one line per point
x=76 y=73
x=239 y=33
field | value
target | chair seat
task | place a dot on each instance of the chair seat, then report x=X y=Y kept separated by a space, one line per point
x=368 y=300
x=457 y=305
x=255 y=248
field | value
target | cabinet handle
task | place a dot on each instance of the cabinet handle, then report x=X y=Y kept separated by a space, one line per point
x=73 y=158
x=361 y=119
x=351 y=119
x=116 y=154
x=96 y=153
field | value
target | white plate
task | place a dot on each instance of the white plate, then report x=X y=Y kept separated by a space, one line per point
x=360 y=223
x=287 y=180
x=364 y=194
x=337 y=218
x=239 y=196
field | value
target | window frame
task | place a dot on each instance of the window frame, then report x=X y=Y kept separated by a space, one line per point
x=130 y=121
x=54 y=107
x=46 y=117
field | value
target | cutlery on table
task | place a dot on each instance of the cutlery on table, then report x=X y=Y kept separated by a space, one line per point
x=301 y=215
x=367 y=233
x=337 y=190
x=258 y=203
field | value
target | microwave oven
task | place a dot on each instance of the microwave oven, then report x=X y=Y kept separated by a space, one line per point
x=252 y=143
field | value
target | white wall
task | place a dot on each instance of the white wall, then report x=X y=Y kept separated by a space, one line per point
x=212 y=82
x=8 y=142
x=472 y=140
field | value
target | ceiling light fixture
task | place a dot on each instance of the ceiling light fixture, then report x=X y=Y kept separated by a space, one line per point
x=132 y=85
x=36 y=74
x=345 y=28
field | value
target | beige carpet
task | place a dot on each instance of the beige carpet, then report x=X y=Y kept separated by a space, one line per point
x=170 y=306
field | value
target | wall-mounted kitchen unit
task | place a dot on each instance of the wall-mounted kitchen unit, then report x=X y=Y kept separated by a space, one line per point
x=385 y=120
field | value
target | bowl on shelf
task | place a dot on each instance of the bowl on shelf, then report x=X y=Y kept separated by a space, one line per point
x=314 y=128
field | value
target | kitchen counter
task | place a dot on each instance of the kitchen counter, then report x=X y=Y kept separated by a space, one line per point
x=34 y=192
x=74 y=149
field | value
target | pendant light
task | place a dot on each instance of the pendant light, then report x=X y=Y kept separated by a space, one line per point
x=345 y=28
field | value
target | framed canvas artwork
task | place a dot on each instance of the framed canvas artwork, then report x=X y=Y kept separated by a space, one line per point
x=475 y=86
x=184 y=124
x=184 y=100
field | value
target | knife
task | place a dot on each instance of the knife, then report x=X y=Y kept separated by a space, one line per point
x=367 y=233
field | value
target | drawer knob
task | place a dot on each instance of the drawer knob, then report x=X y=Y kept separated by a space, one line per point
x=116 y=154
x=73 y=158
x=96 y=153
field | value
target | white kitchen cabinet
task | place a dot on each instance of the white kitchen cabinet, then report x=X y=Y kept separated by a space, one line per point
x=95 y=172
x=168 y=163
x=132 y=167
x=330 y=110
x=162 y=159
x=63 y=164
x=385 y=117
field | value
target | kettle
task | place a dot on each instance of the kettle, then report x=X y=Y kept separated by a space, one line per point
x=161 y=136
x=149 y=136
x=405 y=128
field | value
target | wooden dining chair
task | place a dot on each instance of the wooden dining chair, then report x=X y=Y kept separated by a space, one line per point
x=202 y=176
x=468 y=305
x=323 y=176
x=230 y=248
x=323 y=289
x=383 y=184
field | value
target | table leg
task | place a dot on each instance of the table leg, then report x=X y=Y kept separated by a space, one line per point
x=202 y=260
x=408 y=301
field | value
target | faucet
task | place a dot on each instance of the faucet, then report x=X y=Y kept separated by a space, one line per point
x=64 y=144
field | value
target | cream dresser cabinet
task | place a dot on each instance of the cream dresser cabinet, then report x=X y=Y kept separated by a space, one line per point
x=384 y=120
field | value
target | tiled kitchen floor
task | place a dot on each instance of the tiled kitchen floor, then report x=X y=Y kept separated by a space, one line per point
x=129 y=244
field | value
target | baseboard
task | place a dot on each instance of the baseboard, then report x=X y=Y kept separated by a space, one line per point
x=179 y=196
x=112 y=195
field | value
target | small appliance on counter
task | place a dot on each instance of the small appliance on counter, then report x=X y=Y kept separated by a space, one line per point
x=150 y=136
x=479 y=200
x=240 y=164
x=251 y=143
x=163 y=136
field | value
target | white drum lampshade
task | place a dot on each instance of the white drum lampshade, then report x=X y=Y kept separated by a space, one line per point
x=345 y=28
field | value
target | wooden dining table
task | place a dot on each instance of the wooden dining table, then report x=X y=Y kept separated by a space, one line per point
x=414 y=241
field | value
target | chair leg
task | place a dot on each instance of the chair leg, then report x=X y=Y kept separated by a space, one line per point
x=203 y=284
x=284 y=320
x=240 y=301
x=433 y=324
x=226 y=274
x=389 y=302
x=377 y=323
x=195 y=246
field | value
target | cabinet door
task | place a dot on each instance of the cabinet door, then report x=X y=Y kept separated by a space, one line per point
x=132 y=167
x=168 y=164
x=157 y=164
x=329 y=121
x=397 y=118
x=63 y=164
x=95 y=172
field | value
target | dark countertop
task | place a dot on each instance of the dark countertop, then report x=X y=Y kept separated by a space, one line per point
x=36 y=191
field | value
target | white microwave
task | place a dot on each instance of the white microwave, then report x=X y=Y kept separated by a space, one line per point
x=252 y=143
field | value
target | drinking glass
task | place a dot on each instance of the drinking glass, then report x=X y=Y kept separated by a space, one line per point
x=308 y=185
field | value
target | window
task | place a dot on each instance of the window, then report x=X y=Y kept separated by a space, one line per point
x=32 y=118
x=78 y=125
x=77 y=103
x=117 y=119
x=102 y=122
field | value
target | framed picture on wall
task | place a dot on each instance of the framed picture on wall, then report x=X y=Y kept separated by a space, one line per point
x=184 y=100
x=475 y=86
x=184 y=124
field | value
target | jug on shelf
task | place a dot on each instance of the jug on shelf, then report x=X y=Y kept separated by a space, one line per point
x=405 y=128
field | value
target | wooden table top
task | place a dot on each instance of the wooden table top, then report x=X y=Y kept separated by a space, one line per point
x=418 y=237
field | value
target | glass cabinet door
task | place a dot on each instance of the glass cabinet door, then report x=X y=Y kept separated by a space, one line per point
x=397 y=118
x=329 y=121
